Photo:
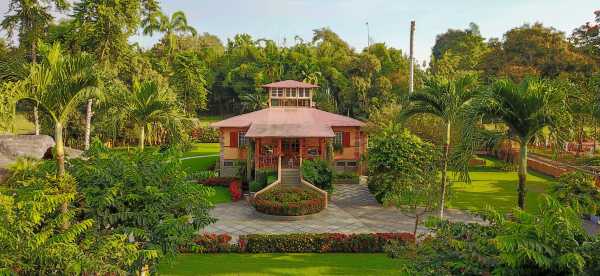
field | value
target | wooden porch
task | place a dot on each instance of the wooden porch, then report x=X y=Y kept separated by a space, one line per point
x=291 y=150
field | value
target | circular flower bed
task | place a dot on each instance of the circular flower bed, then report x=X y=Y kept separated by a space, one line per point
x=288 y=201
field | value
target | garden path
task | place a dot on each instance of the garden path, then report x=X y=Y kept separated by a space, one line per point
x=352 y=209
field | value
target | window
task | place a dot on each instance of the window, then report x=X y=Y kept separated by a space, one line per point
x=279 y=92
x=351 y=163
x=294 y=90
x=313 y=151
x=242 y=139
x=275 y=102
x=340 y=164
x=273 y=92
x=228 y=163
x=288 y=92
x=339 y=138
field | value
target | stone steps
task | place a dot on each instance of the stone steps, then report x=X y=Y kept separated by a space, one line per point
x=290 y=177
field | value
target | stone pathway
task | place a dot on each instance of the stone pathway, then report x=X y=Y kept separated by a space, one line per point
x=352 y=209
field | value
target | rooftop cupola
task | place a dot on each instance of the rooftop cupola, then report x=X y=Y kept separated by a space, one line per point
x=290 y=93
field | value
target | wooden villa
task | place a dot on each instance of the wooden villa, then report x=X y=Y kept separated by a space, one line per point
x=289 y=131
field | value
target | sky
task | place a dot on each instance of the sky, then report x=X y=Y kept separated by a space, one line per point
x=389 y=20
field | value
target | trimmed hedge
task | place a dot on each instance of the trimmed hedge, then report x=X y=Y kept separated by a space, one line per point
x=315 y=243
x=289 y=202
x=298 y=243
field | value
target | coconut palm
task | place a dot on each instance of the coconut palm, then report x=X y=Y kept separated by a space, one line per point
x=59 y=84
x=526 y=109
x=446 y=99
x=169 y=27
x=150 y=103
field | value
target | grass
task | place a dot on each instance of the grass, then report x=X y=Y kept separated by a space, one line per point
x=201 y=149
x=23 y=125
x=283 y=264
x=491 y=186
x=205 y=120
x=221 y=195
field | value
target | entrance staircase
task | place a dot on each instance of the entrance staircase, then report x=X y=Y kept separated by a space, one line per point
x=290 y=177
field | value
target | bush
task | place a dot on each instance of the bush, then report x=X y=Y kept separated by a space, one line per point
x=577 y=190
x=256 y=186
x=271 y=179
x=217 y=181
x=202 y=175
x=318 y=172
x=211 y=243
x=345 y=177
x=289 y=202
x=320 y=243
x=235 y=189
x=204 y=134
x=262 y=176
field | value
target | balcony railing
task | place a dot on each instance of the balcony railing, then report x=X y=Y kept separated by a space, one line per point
x=267 y=161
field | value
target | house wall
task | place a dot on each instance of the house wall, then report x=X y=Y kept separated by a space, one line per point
x=352 y=152
x=230 y=153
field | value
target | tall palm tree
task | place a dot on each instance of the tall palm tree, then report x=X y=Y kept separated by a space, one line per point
x=526 y=109
x=177 y=24
x=446 y=99
x=29 y=18
x=149 y=103
x=59 y=84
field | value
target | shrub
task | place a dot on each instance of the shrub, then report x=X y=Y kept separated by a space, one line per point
x=218 y=181
x=327 y=242
x=211 y=243
x=256 y=186
x=271 y=179
x=262 y=176
x=289 y=202
x=318 y=172
x=345 y=177
x=235 y=189
x=202 y=175
x=577 y=190
x=204 y=134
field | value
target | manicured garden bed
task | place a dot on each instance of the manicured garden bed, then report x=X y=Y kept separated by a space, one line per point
x=287 y=201
x=283 y=264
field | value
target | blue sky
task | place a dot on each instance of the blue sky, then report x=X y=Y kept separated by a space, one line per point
x=388 y=20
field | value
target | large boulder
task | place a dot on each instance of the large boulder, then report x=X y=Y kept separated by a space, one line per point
x=31 y=146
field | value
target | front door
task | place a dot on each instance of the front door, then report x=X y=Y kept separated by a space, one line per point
x=290 y=150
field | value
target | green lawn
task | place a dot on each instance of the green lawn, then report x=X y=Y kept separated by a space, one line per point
x=491 y=186
x=221 y=195
x=283 y=264
x=201 y=149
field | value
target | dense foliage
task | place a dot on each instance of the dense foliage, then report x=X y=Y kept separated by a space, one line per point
x=318 y=172
x=579 y=191
x=550 y=242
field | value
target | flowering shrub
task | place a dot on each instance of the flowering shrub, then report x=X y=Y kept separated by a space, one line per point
x=289 y=202
x=217 y=181
x=211 y=243
x=235 y=189
x=327 y=242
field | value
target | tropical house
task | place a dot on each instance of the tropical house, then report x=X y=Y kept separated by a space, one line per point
x=291 y=129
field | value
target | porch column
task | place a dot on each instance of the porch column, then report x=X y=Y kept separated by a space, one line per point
x=257 y=152
x=301 y=148
x=279 y=147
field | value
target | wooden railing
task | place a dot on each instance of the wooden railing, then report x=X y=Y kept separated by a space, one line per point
x=291 y=162
x=267 y=161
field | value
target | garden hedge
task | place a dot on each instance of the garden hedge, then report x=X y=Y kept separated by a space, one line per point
x=289 y=202
x=298 y=243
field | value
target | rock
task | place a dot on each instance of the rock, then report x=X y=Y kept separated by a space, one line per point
x=73 y=153
x=31 y=146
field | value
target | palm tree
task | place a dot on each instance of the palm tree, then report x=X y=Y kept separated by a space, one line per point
x=254 y=101
x=29 y=18
x=446 y=99
x=169 y=27
x=526 y=109
x=149 y=103
x=59 y=84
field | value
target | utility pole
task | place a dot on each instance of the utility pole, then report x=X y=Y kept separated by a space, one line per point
x=412 y=58
x=368 y=37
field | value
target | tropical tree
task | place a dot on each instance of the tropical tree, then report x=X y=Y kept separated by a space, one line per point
x=150 y=103
x=30 y=18
x=170 y=27
x=447 y=99
x=254 y=101
x=59 y=84
x=526 y=109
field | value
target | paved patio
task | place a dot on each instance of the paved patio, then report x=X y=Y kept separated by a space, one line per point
x=352 y=209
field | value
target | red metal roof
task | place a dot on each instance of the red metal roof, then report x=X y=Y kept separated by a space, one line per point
x=290 y=84
x=289 y=122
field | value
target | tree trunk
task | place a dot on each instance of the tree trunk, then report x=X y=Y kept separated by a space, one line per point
x=60 y=150
x=142 y=137
x=36 y=120
x=88 y=124
x=417 y=216
x=522 y=174
x=445 y=170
